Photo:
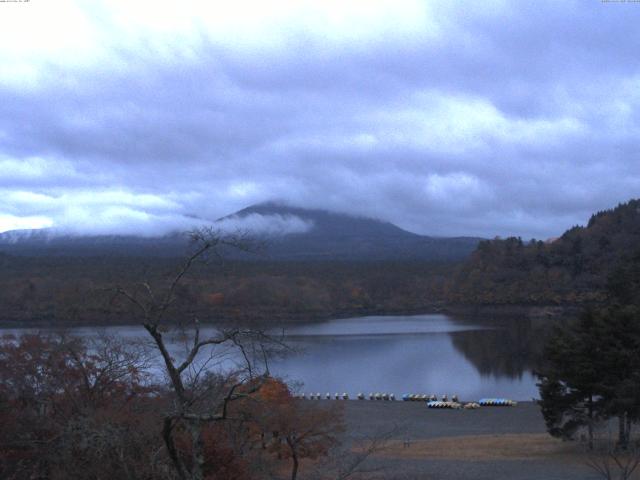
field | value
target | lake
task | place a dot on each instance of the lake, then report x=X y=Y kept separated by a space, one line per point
x=439 y=354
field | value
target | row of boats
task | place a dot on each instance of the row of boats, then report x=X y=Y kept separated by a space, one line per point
x=431 y=400
x=483 y=402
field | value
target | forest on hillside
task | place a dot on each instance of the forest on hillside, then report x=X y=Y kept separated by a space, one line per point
x=574 y=269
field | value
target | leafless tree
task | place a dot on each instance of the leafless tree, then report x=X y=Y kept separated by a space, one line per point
x=201 y=397
x=612 y=462
x=352 y=459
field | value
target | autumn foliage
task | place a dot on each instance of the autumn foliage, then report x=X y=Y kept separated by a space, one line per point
x=71 y=412
x=74 y=409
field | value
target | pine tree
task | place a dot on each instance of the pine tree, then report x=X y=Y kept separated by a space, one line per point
x=570 y=382
x=592 y=373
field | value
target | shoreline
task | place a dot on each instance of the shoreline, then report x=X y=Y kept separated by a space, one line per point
x=498 y=443
x=533 y=312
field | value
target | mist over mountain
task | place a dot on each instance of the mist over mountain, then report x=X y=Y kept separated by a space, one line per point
x=288 y=233
x=336 y=236
x=49 y=242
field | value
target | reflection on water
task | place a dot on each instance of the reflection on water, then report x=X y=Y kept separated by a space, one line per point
x=423 y=353
x=508 y=347
x=400 y=354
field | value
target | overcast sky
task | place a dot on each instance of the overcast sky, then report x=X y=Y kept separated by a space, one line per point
x=446 y=118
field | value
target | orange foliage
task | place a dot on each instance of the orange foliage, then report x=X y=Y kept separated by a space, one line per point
x=216 y=298
x=222 y=462
x=274 y=391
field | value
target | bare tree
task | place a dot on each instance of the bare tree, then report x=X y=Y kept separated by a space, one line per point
x=609 y=458
x=351 y=459
x=201 y=398
x=614 y=463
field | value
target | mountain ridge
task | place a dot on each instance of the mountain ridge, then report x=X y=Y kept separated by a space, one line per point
x=317 y=235
x=339 y=236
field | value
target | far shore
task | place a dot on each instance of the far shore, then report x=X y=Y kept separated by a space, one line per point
x=266 y=319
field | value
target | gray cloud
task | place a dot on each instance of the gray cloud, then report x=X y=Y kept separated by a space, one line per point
x=271 y=225
x=513 y=118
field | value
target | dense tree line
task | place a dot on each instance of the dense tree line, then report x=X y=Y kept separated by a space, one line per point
x=78 y=290
x=570 y=270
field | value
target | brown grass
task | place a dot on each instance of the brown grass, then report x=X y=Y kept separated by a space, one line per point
x=487 y=447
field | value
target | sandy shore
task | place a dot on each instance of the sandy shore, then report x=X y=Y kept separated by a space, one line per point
x=489 y=443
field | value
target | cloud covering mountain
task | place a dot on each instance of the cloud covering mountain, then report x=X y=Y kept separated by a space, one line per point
x=275 y=232
x=446 y=118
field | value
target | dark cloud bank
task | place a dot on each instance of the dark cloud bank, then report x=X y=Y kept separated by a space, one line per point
x=518 y=118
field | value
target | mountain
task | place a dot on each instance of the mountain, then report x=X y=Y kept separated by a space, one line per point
x=587 y=264
x=288 y=233
x=337 y=236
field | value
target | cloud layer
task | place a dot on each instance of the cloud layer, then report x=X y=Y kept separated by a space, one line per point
x=446 y=118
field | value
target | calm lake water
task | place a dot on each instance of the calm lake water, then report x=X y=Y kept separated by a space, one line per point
x=401 y=354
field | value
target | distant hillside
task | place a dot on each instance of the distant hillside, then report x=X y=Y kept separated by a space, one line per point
x=581 y=266
x=288 y=233
x=46 y=242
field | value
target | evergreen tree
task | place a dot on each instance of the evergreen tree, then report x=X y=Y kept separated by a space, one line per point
x=620 y=385
x=570 y=381
x=592 y=372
